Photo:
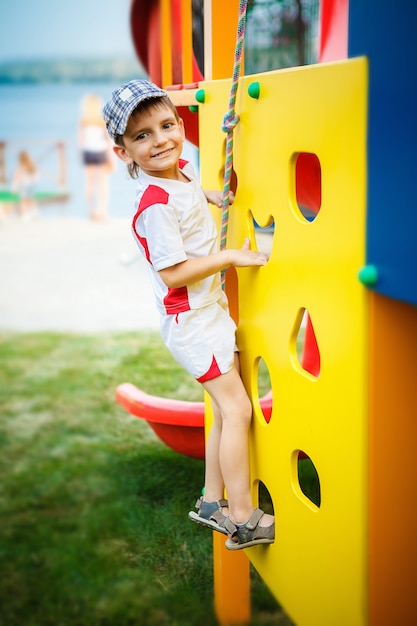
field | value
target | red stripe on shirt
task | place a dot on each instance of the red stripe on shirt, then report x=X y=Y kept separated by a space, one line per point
x=152 y=195
x=176 y=300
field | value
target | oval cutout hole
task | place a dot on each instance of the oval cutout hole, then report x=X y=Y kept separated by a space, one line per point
x=308 y=478
x=308 y=185
x=264 y=390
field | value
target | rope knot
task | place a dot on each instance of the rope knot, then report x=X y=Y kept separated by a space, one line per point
x=230 y=120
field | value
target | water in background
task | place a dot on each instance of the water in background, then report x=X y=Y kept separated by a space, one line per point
x=34 y=117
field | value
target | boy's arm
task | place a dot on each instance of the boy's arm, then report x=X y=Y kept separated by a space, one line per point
x=193 y=270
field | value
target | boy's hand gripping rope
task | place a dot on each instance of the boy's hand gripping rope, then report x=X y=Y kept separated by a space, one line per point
x=229 y=122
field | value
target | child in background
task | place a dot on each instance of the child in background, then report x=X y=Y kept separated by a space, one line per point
x=24 y=183
x=176 y=233
x=97 y=156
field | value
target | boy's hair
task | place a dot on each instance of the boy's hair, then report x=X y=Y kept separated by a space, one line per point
x=144 y=106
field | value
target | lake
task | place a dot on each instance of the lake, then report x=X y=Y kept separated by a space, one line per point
x=35 y=117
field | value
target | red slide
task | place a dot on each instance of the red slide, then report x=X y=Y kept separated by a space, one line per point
x=178 y=423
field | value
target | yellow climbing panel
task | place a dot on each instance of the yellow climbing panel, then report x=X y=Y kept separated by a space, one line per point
x=317 y=566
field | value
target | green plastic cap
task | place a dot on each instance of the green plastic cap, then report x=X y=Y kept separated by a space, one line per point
x=368 y=275
x=200 y=96
x=254 y=90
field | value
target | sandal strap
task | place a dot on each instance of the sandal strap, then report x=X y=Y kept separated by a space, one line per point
x=250 y=530
x=251 y=524
x=220 y=503
x=218 y=517
x=230 y=526
x=211 y=510
x=254 y=519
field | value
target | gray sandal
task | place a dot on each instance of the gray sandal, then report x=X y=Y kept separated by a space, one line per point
x=210 y=514
x=249 y=534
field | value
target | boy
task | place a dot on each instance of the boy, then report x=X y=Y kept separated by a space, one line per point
x=175 y=232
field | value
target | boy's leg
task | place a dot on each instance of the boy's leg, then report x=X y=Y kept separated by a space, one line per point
x=232 y=406
x=214 y=483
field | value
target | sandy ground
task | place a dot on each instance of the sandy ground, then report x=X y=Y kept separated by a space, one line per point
x=66 y=274
x=72 y=275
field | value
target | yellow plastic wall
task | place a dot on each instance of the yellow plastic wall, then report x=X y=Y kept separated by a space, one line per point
x=317 y=567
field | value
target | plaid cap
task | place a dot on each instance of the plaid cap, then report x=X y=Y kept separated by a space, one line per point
x=124 y=100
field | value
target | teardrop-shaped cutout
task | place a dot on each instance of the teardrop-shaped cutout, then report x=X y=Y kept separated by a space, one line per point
x=304 y=349
x=308 y=478
x=264 y=498
x=305 y=479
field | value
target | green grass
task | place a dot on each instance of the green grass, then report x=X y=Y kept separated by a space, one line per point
x=93 y=507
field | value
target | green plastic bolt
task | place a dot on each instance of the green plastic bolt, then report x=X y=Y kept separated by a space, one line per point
x=368 y=275
x=193 y=108
x=254 y=90
x=200 y=96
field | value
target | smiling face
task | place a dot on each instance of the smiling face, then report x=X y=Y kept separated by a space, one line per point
x=153 y=140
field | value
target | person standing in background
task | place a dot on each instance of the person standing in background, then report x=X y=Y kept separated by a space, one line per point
x=97 y=156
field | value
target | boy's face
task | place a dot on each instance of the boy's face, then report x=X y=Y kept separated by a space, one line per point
x=154 y=141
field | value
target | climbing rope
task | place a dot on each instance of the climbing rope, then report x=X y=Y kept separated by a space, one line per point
x=229 y=122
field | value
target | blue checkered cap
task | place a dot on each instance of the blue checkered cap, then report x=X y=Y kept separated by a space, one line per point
x=124 y=100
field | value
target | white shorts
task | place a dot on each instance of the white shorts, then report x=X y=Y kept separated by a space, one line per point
x=202 y=340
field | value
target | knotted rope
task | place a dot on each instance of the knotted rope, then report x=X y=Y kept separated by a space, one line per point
x=230 y=121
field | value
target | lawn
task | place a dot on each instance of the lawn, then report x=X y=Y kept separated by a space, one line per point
x=94 y=528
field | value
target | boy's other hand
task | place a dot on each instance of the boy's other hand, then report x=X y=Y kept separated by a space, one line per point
x=214 y=196
x=246 y=257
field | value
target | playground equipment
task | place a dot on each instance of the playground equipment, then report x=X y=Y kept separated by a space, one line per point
x=351 y=559
x=178 y=423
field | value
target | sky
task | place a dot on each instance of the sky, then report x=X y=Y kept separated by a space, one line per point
x=32 y=29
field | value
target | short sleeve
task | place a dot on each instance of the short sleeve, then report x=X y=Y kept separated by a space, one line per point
x=161 y=229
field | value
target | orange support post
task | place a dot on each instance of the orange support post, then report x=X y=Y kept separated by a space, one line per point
x=231 y=584
x=392 y=449
x=224 y=21
x=187 y=42
x=166 y=39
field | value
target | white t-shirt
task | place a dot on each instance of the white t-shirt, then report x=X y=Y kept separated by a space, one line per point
x=173 y=223
x=93 y=138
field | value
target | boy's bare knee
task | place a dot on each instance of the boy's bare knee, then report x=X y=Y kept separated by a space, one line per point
x=241 y=411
